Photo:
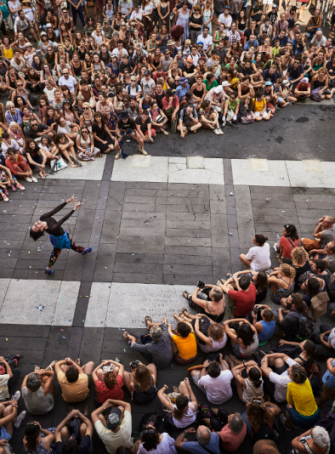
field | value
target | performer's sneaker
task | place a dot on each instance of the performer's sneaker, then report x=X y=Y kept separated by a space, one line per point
x=50 y=272
x=87 y=250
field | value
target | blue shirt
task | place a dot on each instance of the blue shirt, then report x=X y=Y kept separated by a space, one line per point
x=15 y=117
x=213 y=446
x=4 y=9
x=249 y=44
x=282 y=42
x=328 y=380
x=182 y=90
x=268 y=330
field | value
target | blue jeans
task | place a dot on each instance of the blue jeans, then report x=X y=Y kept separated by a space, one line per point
x=78 y=11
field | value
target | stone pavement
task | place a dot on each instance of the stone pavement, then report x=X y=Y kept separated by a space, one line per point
x=150 y=241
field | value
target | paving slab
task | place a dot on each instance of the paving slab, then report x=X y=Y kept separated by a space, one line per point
x=268 y=173
x=141 y=168
x=91 y=170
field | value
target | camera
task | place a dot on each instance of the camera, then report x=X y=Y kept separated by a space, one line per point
x=201 y=285
x=134 y=364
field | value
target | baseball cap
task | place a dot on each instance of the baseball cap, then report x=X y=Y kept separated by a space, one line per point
x=268 y=83
x=286 y=83
x=189 y=58
x=114 y=418
x=304 y=80
x=170 y=92
x=147 y=72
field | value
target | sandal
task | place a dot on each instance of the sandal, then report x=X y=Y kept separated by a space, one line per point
x=147 y=320
x=77 y=361
x=186 y=295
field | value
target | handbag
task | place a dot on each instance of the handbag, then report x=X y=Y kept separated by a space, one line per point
x=310 y=244
x=58 y=164
x=319 y=305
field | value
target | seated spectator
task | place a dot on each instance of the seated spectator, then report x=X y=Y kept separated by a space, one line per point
x=243 y=337
x=68 y=441
x=314 y=440
x=115 y=429
x=260 y=111
x=155 y=347
x=33 y=440
x=328 y=383
x=184 y=345
x=207 y=441
x=282 y=282
x=258 y=257
x=252 y=385
x=214 y=380
x=184 y=411
x=214 y=339
x=325 y=341
x=288 y=241
x=303 y=353
x=188 y=120
x=259 y=279
x=303 y=91
x=261 y=415
x=294 y=322
x=265 y=447
x=327 y=254
x=8 y=379
x=38 y=390
x=19 y=166
x=323 y=234
x=208 y=300
x=73 y=379
x=242 y=300
x=264 y=320
x=141 y=382
x=301 y=410
x=151 y=440
x=301 y=265
x=108 y=380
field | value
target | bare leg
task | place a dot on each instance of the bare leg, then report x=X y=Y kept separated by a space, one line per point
x=65 y=433
x=245 y=261
x=83 y=428
x=153 y=371
x=127 y=378
x=88 y=368
x=183 y=388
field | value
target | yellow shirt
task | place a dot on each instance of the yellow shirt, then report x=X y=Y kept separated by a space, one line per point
x=73 y=392
x=259 y=105
x=302 y=398
x=187 y=346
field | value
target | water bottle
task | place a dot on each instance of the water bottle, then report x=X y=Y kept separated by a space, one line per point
x=278 y=238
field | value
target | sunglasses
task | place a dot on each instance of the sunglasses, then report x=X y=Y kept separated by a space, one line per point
x=86 y=108
x=20 y=85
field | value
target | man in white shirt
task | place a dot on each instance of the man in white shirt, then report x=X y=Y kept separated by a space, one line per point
x=319 y=39
x=119 y=50
x=23 y=24
x=136 y=14
x=280 y=380
x=148 y=84
x=233 y=34
x=205 y=39
x=68 y=80
x=226 y=19
x=115 y=430
x=214 y=380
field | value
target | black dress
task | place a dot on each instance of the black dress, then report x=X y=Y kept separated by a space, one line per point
x=102 y=134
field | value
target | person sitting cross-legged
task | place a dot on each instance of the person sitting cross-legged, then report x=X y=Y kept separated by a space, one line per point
x=184 y=345
x=108 y=380
x=38 y=390
x=115 y=428
x=73 y=379
x=71 y=442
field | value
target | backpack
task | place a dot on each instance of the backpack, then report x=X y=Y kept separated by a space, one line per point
x=306 y=328
x=137 y=88
x=314 y=375
x=204 y=325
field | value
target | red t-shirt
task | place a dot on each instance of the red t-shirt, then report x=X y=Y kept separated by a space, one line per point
x=303 y=87
x=230 y=441
x=288 y=245
x=105 y=393
x=245 y=301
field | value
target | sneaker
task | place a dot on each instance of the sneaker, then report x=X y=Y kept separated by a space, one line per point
x=118 y=154
x=13 y=188
x=20 y=418
x=229 y=123
x=4 y=197
x=303 y=100
x=124 y=155
x=283 y=420
x=50 y=272
x=87 y=250
x=142 y=150
x=16 y=396
x=28 y=179
x=216 y=131
x=223 y=124
x=35 y=180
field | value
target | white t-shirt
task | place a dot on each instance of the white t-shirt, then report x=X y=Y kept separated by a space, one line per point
x=281 y=382
x=187 y=419
x=13 y=144
x=112 y=440
x=136 y=15
x=148 y=85
x=218 y=390
x=98 y=38
x=331 y=338
x=70 y=82
x=4 y=394
x=208 y=41
x=64 y=129
x=225 y=20
x=260 y=256
x=50 y=94
x=166 y=446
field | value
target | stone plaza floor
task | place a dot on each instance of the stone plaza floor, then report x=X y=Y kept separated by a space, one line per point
x=156 y=225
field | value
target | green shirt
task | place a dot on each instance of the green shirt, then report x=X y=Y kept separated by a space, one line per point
x=208 y=87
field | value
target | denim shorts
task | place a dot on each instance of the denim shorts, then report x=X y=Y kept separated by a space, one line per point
x=304 y=422
x=328 y=380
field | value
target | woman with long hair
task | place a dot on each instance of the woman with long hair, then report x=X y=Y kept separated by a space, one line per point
x=243 y=336
x=103 y=139
x=108 y=380
x=85 y=146
x=65 y=147
x=184 y=411
x=141 y=382
x=258 y=414
x=35 y=157
x=33 y=440
x=249 y=386
x=258 y=257
x=288 y=241
x=152 y=441
x=59 y=238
